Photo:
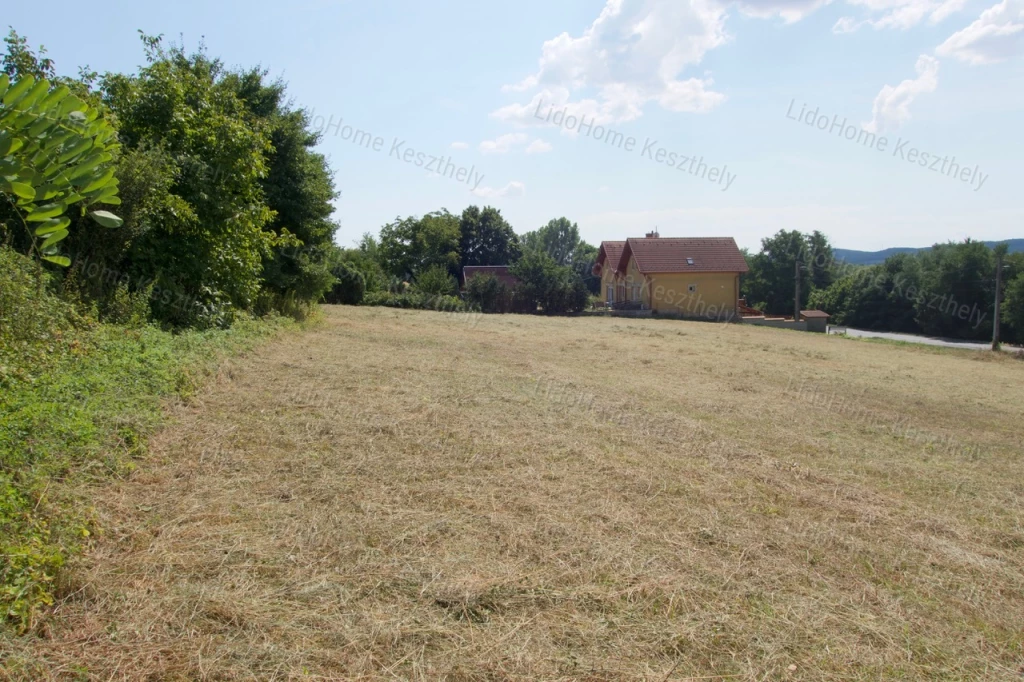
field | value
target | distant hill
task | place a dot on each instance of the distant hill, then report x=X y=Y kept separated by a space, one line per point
x=876 y=257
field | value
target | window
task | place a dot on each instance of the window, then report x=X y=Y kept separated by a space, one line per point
x=689 y=261
x=692 y=288
x=611 y=293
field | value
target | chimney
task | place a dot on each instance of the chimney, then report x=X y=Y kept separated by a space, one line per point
x=652 y=235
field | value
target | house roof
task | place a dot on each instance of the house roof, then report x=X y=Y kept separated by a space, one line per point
x=813 y=313
x=684 y=254
x=610 y=252
x=499 y=271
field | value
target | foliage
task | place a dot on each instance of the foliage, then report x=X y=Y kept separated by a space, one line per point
x=1014 y=308
x=583 y=260
x=415 y=300
x=349 y=285
x=206 y=260
x=298 y=188
x=410 y=245
x=486 y=238
x=488 y=294
x=55 y=152
x=771 y=283
x=435 y=281
x=946 y=291
x=556 y=289
x=558 y=239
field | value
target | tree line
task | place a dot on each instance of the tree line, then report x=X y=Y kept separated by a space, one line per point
x=948 y=290
x=416 y=262
x=224 y=206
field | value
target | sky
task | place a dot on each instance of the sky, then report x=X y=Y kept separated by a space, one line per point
x=879 y=122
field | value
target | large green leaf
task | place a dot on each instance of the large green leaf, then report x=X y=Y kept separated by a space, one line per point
x=46 y=212
x=52 y=225
x=106 y=219
x=20 y=88
x=59 y=260
x=23 y=190
x=54 y=238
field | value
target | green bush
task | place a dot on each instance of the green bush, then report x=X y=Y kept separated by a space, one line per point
x=415 y=300
x=349 y=286
x=436 y=281
x=488 y=294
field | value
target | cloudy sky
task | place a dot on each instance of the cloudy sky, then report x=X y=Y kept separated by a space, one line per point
x=880 y=122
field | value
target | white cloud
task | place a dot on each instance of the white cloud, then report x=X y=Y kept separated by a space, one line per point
x=789 y=10
x=503 y=143
x=632 y=54
x=460 y=145
x=898 y=14
x=603 y=188
x=512 y=189
x=892 y=105
x=538 y=146
x=996 y=35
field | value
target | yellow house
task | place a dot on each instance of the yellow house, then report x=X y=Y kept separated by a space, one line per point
x=686 y=277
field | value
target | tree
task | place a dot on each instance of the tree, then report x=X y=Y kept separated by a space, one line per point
x=954 y=276
x=486 y=238
x=488 y=294
x=298 y=188
x=349 y=285
x=410 y=245
x=559 y=239
x=436 y=281
x=771 y=283
x=555 y=288
x=583 y=260
x=1013 y=309
x=209 y=258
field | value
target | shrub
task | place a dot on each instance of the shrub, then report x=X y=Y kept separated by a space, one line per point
x=436 y=281
x=350 y=286
x=415 y=300
x=488 y=294
x=555 y=288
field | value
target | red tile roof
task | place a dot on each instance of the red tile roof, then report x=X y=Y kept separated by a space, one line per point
x=499 y=271
x=610 y=252
x=684 y=254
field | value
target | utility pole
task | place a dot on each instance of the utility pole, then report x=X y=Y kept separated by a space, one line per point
x=1000 y=250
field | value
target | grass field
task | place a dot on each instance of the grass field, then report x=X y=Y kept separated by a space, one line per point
x=415 y=495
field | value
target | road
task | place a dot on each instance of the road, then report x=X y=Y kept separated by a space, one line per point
x=913 y=338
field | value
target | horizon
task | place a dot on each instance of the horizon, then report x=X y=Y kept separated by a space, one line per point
x=873 y=124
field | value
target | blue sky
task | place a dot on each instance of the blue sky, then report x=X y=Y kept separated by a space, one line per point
x=716 y=81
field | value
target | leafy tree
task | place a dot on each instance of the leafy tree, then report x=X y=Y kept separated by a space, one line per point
x=298 y=188
x=486 y=238
x=488 y=294
x=211 y=256
x=1013 y=308
x=955 y=276
x=559 y=239
x=409 y=245
x=771 y=283
x=349 y=286
x=583 y=260
x=543 y=282
x=436 y=281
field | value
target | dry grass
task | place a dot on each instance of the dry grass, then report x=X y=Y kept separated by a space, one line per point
x=398 y=495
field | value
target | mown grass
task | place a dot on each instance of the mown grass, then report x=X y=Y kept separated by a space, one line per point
x=78 y=400
x=397 y=495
